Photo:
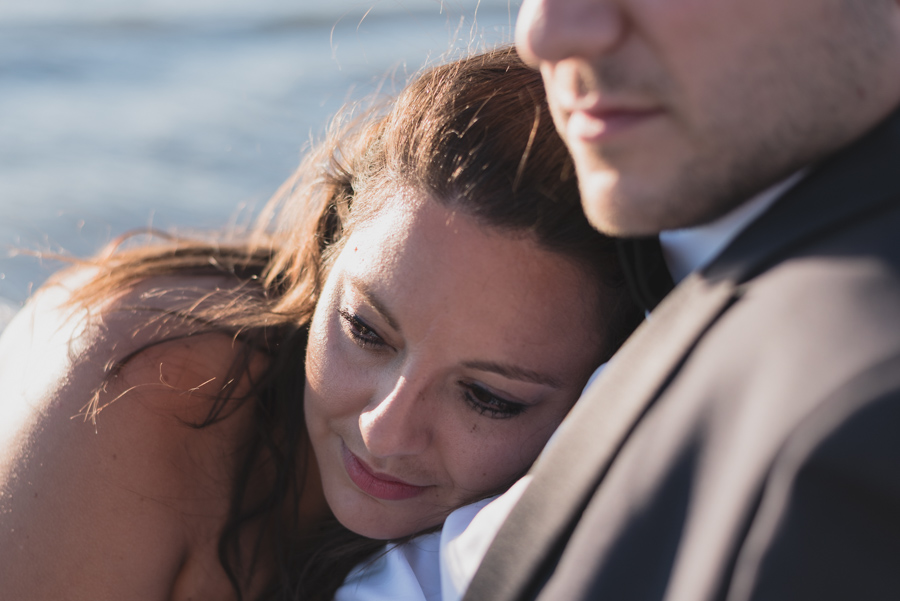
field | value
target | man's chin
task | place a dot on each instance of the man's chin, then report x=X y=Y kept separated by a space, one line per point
x=613 y=210
x=617 y=205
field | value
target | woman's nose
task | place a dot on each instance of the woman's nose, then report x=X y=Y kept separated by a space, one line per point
x=548 y=31
x=398 y=423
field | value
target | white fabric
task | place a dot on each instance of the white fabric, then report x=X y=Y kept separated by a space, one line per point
x=407 y=572
x=594 y=376
x=693 y=248
x=466 y=536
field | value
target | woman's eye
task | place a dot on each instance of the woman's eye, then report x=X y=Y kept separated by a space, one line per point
x=361 y=333
x=487 y=403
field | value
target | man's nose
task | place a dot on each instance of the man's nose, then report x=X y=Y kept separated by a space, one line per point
x=398 y=423
x=548 y=31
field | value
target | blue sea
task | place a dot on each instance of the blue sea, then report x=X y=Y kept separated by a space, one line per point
x=118 y=115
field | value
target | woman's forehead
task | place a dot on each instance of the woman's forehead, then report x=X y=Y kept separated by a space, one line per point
x=430 y=259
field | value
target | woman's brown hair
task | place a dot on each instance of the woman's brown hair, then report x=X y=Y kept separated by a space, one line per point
x=474 y=135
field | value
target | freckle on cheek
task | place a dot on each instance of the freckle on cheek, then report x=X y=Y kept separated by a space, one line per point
x=474 y=427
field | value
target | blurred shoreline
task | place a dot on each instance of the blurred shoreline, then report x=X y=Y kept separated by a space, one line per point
x=21 y=11
x=186 y=114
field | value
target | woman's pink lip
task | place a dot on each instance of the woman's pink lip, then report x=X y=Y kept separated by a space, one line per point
x=378 y=486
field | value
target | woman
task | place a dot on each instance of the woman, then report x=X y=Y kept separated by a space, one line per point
x=427 y=310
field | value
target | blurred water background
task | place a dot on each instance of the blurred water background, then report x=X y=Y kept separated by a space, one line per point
x=118 y=115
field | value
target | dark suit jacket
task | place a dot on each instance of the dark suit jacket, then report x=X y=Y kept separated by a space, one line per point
x=745 y=442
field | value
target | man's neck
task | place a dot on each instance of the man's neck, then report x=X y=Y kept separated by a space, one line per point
x=693 y=248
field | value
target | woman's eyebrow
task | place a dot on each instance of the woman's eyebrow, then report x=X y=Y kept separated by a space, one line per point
x=365 y=290
x=514 y=372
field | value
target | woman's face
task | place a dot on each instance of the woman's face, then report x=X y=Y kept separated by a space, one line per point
x=441 y=357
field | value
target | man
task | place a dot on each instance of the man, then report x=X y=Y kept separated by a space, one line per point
x=745 y=443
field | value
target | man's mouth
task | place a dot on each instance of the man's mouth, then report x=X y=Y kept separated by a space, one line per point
x=597 y=124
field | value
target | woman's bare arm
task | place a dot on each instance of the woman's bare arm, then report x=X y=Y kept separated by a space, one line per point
x=129 y=506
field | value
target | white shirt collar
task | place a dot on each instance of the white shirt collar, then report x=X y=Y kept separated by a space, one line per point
x=693 y=248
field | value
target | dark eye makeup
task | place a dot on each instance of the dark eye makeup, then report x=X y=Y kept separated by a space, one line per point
x=487 y=403
x=364 y=335
x=477 y=397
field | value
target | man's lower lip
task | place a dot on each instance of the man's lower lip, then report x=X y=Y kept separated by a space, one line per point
x=591 y=128
x=374 y=486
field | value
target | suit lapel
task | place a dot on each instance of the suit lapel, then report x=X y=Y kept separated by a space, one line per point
x=567 y=472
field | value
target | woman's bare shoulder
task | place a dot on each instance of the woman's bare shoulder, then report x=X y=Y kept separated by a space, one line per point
x=106 y=479
x=54 y=343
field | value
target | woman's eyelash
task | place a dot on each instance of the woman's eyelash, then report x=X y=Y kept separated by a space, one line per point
x=360 y=331
x=489 y=404
x=480 y=399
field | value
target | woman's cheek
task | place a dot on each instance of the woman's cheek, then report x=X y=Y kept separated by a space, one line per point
x=323 y=366
x=317 y=348
x=488 y=461
x=341 y=384
x=499 y=452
